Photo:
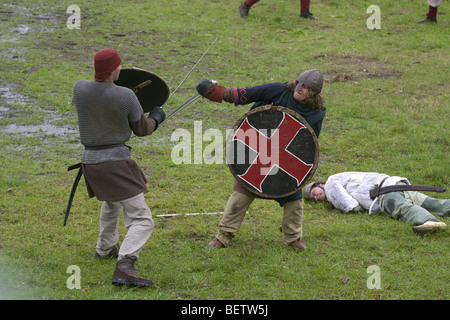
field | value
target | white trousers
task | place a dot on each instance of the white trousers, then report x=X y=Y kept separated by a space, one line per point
x=434 y=3
x=138 y=220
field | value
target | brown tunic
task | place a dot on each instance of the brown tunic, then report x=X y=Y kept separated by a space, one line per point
x=114 y=181
x=118 y=180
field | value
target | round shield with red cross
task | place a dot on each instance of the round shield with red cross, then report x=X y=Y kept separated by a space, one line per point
x=272 y=151
x=150 y=89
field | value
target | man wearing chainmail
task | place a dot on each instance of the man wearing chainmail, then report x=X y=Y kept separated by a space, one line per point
x=107 y=116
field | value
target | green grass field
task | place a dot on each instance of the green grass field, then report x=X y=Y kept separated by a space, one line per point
x=386 y=92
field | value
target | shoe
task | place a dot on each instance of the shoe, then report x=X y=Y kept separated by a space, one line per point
x=114 y=253
x=215 y=243
x=298 y=244
x=428 y=19
x=307 y=15
x=429 y=226
x=125 y=274
x=243 y=10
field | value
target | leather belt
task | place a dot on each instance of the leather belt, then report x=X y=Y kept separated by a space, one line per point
x=78 y=165
x=107 y=147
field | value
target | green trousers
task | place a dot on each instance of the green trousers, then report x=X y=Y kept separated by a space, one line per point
x=237 y=206
x=413 y=207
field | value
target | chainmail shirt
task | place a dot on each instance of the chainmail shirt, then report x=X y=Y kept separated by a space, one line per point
x=105 y=112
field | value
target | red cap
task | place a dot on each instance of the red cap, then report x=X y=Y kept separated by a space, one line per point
x=105 y=62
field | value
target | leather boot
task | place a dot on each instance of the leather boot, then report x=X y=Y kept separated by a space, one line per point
x=244 y=9
x=298 y=244
x=428 y=19
x=125 y=274
x=307 y=15
x=215 y=243
x=114 y=253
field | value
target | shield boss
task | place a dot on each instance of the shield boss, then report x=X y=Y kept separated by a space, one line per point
x=272 y=151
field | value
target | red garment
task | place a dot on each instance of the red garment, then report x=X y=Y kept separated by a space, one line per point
x=105 y=62
x=304 y=4
x=250 y=2
x=432 y=12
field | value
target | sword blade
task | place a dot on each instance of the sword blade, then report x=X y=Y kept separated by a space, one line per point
x=190 y=71
x=184 y=105
x=376 y=192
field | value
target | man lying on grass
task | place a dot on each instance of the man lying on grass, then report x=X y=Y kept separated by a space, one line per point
x=350 y=191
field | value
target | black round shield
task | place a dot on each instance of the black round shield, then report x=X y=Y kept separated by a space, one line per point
x=272 y=151
x=150 y=89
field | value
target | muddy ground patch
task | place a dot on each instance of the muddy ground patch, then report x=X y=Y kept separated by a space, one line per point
x=352 y=67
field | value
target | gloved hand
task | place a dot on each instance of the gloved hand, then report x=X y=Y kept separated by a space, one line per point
x=158 y=115
x=203 y=86
x=210 y=90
